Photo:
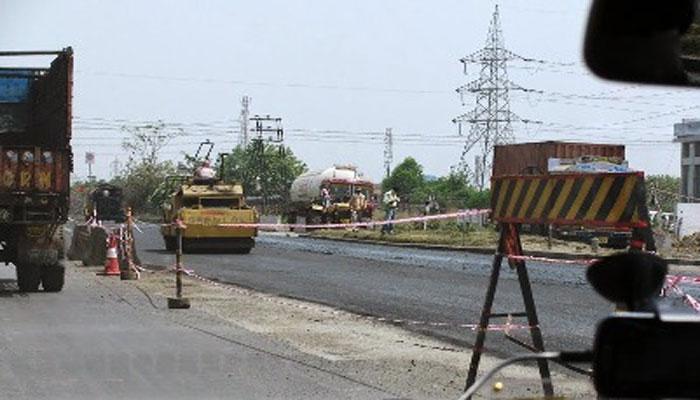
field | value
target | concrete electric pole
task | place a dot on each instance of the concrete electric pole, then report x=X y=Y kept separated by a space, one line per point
x=243 y=119
x=115 y=167
x=388 y=150
x=267 y=130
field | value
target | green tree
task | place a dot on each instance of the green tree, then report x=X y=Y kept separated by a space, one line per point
x=407 y=179
x=453 y=191
x=144 y=171
x=264 y=170
x=662 y=192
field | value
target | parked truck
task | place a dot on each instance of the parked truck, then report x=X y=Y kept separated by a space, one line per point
x=306 y=203
x=35 y=165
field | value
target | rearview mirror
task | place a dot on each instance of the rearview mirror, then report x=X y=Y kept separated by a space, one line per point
x=646 y=41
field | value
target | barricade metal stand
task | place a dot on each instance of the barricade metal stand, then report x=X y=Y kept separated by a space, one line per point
x=509 y=244
x=616 y=200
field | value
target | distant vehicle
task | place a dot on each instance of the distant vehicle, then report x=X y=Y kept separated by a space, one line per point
x=105 y=203
x=35 y=166
x=202 y=202
x=341 y=182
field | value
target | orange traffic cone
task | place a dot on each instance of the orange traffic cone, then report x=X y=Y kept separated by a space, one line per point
x=111 y=261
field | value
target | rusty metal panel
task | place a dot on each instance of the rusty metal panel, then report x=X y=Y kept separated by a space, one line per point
x=532 y=158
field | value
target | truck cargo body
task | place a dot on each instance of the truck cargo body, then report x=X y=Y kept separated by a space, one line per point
x=35 y=166
x=532 y=158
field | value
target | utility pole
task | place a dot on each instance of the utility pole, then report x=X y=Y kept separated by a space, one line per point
x=114 y=167
x=243 y=119
x=90 y=160
x=267 y=130
x=388 y=150
x=490 y=120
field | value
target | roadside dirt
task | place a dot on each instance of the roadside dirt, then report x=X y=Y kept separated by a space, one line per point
x=373 y=352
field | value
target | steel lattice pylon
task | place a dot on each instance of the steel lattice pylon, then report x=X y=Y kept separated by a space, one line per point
x=490 y=120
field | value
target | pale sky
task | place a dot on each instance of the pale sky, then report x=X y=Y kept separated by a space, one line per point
x=338 y=73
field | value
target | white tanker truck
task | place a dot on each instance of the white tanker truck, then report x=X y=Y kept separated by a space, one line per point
x=306 y=205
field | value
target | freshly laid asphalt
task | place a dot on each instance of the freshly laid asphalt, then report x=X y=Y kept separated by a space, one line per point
x=434 y=286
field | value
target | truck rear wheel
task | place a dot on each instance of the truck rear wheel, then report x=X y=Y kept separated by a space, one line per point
x=53 y=277
x=28 y=277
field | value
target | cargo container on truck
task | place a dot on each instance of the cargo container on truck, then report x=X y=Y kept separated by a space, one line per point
x=35 y=165
x=536 y=159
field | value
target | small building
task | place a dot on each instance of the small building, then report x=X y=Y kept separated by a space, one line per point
x=687 y=133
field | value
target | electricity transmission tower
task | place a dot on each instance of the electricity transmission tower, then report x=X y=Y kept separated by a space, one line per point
x=243 y=120
x=388 y=150
x=490 y=120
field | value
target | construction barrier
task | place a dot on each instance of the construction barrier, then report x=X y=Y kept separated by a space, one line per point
x=88 y=244
x=574 y=199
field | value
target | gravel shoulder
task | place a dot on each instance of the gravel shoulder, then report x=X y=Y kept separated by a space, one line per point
x=361 y=348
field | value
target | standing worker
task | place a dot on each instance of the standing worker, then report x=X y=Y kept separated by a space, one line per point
x=358 y=203
x=325 y=197
x=391 y=203
x=205 y=172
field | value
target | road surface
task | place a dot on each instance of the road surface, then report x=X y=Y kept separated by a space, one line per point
x=100 y=338
x=399 y=283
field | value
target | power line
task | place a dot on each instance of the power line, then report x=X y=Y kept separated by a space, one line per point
x=290 y=85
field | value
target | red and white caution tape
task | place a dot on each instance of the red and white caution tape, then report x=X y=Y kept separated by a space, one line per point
x=672 y=281
x=368 y=224
x=687 y=280
x=581 y=261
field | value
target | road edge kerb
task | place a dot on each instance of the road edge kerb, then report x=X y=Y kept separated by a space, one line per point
x=482 y=250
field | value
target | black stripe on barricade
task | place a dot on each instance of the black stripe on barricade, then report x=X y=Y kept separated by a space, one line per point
x=631 y=207
x=610 y=198
x=597 y=183
x=569 y=202
x=495 y=192
x=541 y=185
x=553 y=195
x=587 y=199
x=521 y=197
